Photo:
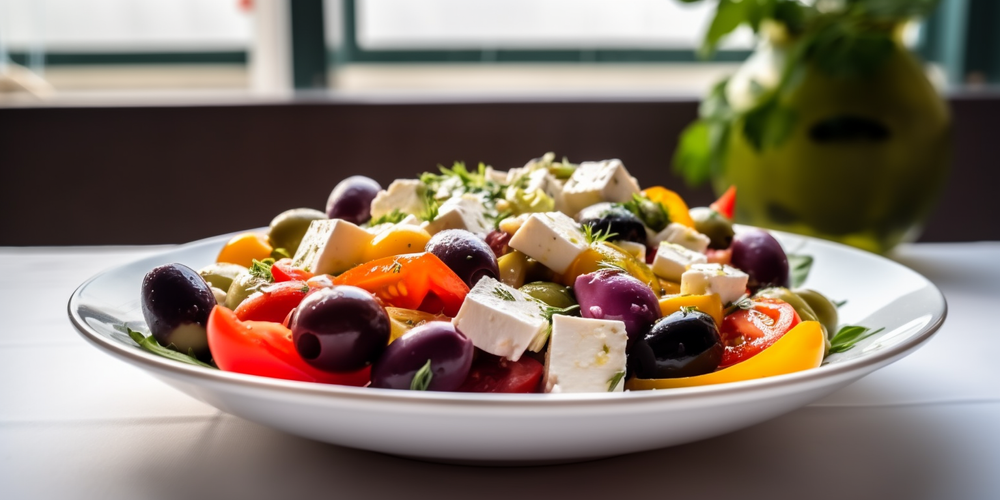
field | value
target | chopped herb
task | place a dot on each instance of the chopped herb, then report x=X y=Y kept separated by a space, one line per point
x=611 y=266
x=304 y=289
x=548 y=311
x=262 y=269
x=397 y=267
x=394 y=217
x=745 y=303
x=151 y=345
x=598 y=236
x=688 y=309
x=503 y=294
x=839 y=303
x=422 y=379
x=615 y=380
x=798 y=268
x=848 y=336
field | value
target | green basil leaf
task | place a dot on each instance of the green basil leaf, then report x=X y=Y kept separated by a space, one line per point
x=151 y=345
x=798 y=269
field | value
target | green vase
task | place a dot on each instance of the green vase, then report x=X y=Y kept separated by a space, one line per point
x=864 y=164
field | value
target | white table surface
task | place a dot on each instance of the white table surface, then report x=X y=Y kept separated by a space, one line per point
x=76 y=423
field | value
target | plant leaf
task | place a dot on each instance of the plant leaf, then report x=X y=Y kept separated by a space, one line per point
x=422 y=379
x=798 y=268
x=848 y=336
x=151 y=345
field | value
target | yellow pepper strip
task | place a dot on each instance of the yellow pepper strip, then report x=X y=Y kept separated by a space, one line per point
x=591 y=258
x=709 y=304
x=243 y=248
x=397 y=240
x=677 y=210
x=670 y=287
x=799 y=349
x=403 y=320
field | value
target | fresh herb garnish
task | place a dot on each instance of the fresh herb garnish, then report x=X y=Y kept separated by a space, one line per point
x=652 y=213
x=688 y=309
x=613 y=382
x=397 y=266
x=262 y=269
x=848 y=336
x=151 y=345
x=422 y=379
x=503 y=294
x=839 y=303
x=598 y=236
x=798 y=268
x=611 y=266
x=549 y=311
x=745 y=303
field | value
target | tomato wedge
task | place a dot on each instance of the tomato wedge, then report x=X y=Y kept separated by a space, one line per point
x=497 y=374
x=411 y=281
x=266 y=349
x=747 y=332
x=283 y=270
x=726 y=204
x=273 y=302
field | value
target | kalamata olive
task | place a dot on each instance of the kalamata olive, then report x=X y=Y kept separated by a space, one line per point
x=553 y=294
x=712 y=224
x=351 y=199
x=497 y=240
x=448 y=351
x=221 y=274
x=288 y=228
x=340 y=329
x=758 y=254
x=610 y=294
x=176 y=302
x=683 y=344
x=465 y=254
x=611 y=218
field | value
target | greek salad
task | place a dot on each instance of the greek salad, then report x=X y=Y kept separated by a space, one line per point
x=554 y=277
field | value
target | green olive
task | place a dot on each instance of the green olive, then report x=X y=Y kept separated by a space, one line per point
x=712 y=224
x=517 y=268
x=553 y=294
x=825 y=309
x=288 y=228
x=243 y=286
x=221 y=274
x=802 y=308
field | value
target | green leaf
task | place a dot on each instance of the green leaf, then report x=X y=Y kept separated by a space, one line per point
x=798 y=268
x=769 y=125
x=596 y=236
x=728 y=16
x=151 y=345
x=549 y=311
x=693 y=157
x=839 y=303
x=422 y=379
x=652 y=213
x=262 y=269
x=848 y=336
x=613 y=382
x=503 y=294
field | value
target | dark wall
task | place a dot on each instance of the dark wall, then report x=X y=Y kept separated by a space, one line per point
x=126 y=175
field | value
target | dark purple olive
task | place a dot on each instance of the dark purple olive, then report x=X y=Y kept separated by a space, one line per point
x=684 y=344
x=438 y=342
x=351 y=199
x=498 y=241
x=758 y=254
x=611 y=294
x=340 y=329
x=176 y=302
x=465 y=254
x=611 y=218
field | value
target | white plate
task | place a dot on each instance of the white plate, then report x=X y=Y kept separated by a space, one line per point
x=530 y=428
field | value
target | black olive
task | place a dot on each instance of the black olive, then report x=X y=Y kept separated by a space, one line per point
x=683 y=344
x=176 y=302
x=612 y=218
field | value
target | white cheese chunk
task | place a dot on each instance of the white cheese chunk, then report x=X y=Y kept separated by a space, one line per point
x=552 y=238
x=594 y=182
x=672 y=260
x=461 y=212
x=497 y=176
x=405 y=195
x=499 y=319
x=585 y=355
x=703 y=279
x=331 y=246
x=638 y=250
x=683 y=236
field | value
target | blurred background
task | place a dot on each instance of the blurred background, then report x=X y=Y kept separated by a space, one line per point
x=164 y=121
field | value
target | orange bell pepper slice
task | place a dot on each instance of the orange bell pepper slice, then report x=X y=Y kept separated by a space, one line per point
x=672 y=202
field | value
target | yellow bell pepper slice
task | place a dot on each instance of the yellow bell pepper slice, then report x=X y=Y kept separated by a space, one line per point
x=676 y=209
x=591 y=258
x=397 y=240
x=403 y=320
x=709 y=304
x=799 y=349
x=243 y=248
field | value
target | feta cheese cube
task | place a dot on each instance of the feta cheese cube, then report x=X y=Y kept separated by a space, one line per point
x=683 y=236
x=594 y=182
x=461 y=212
x=331 y=246
x=585 y=355
x=552 y=238
x=405 y=195
x=638 y=250
x=499 y=319
x=672 y=260
x=703 y=279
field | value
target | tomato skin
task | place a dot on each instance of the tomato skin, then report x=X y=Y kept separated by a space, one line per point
x=747 y=332
x=491 y=373
x=726 y=204
x=265 y=349
x=410 y=281
x=282 y=270
x=272 y=303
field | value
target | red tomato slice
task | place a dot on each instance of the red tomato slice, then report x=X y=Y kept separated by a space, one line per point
x=283 y=270
x=747 y=332
x=497 y=374
x=411 y=281
x=273 y=302
x=726 y=204
x=266 y=349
